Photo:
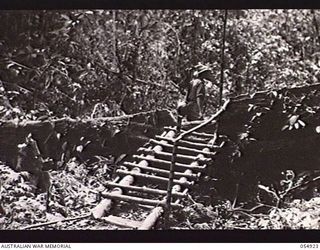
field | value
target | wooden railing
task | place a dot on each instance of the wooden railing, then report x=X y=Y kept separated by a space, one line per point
x=174 y=153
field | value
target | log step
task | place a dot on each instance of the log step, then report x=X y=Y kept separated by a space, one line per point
x=161 y=171
x=167 y=156
x=193 y=133
x=142 y=189
x=167 y=164
x=196 y=145
x=138 y=200
x=185 y=150
x=122 y=222
x=192 y=138
x=154 y=178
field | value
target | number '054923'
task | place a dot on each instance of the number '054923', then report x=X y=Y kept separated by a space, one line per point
x=309 y=245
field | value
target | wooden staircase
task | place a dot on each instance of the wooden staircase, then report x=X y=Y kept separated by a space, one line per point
x=144 y=180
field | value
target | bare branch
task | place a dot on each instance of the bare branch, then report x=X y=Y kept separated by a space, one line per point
x=56 y=221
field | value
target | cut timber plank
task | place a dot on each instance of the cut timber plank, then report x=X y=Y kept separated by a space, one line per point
x=154 y=178
x=193 y=133
x=142 y=189
x=186 y=150
x=168 y=163
x=139 y=200
x=185 y=143
x=167 y=156
x=161 y=171
x=122 y=222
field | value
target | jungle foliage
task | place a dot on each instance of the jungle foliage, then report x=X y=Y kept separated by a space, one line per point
x=57 y=63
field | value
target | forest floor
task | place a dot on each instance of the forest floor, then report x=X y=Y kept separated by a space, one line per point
x=75 y=191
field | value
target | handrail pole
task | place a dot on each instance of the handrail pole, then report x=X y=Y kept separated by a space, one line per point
x=222 y=65
x=222 y=56
x=171 y=175
x=174 y=154
x=201 y=125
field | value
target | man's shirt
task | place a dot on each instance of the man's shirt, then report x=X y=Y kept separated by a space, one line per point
x=196 y=89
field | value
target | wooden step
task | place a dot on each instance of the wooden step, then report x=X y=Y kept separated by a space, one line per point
x=193 y=133
x=161 y=171
x=139 y=200
x=122 y=222
x=192 y=138
x=185 y=143
x=184 y=192
x=154 y=178
x=167 y=164
x=142 y=189
x=180 y=157
x=185 y=150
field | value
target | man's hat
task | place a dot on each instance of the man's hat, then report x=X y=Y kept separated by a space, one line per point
x=200 y=68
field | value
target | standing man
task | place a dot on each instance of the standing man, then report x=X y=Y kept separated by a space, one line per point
x=192 y=107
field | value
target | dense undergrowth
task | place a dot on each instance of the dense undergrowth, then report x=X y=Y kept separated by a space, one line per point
x=76 y=190
x=298 y=214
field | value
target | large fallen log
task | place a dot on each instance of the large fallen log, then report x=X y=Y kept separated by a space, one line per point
x=92 y=121
x=82 y=138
